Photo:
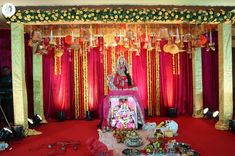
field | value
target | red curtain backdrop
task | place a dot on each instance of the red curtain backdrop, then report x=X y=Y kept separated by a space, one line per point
x=95 y=79
x=5 y=49
x=176 y=90
x=210 y=76
x=139 y=72
x=57 y=88
x=29 y=75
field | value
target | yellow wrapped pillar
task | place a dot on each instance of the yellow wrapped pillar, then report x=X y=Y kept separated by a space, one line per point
x=197 y=83
x=38 y=86
x=225 y=76
x=20 y=104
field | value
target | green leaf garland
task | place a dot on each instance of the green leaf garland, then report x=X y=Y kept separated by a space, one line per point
x=122 y=15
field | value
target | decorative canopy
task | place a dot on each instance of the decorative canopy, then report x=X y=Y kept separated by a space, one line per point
x=98 y=15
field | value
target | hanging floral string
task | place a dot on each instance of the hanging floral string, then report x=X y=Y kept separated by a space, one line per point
x=57 y=57
x=178 y=64
x=173 y=64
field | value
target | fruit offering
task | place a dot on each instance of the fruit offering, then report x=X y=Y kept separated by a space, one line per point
x=122 y=134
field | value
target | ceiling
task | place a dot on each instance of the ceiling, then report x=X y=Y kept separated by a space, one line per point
x=120 y=2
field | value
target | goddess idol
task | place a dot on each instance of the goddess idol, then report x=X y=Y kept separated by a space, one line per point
x=122 y=78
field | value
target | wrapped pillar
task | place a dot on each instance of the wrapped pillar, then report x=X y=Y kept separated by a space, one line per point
x=197 y=83
x=20 y=104
x=225 y=76
x=38 y=86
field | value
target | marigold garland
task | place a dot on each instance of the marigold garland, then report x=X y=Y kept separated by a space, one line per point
x=122 y=15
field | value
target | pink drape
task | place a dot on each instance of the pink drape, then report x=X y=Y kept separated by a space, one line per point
x=175 y=90
x=57 y=88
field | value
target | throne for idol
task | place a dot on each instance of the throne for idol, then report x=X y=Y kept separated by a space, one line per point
x=122 y=106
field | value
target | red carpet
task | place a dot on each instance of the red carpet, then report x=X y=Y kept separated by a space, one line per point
x=199 y=133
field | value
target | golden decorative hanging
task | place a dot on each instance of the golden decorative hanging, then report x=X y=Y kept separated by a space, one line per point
x=76 y=83
x=105 y=71
x=157 y=83
x=57 y=61
x=178 y=64
x=113 y=56
x=85 y=76
x=173 y=64
x=130 y=62
x=149 y=88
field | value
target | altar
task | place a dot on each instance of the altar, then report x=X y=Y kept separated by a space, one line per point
x=122 y=107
